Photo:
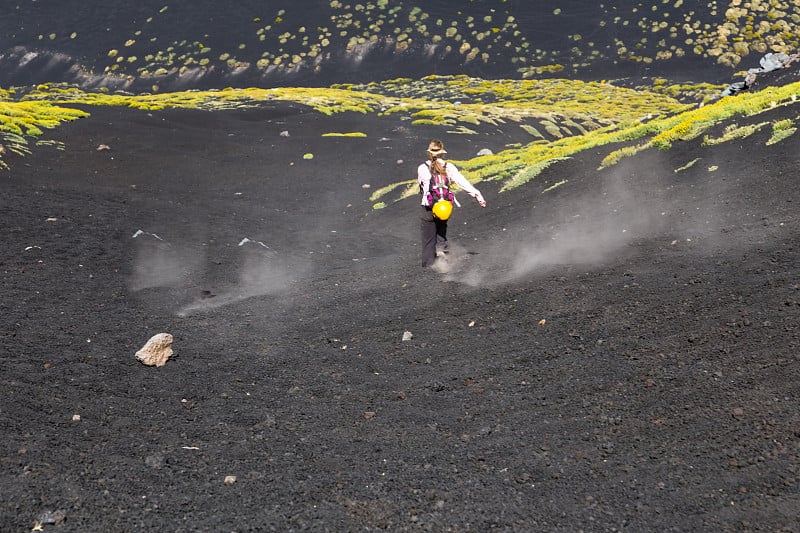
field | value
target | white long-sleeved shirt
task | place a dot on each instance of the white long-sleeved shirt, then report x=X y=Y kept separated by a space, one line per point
x=424 y=177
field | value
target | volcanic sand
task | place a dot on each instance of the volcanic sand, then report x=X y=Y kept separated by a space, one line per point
x=620 y=351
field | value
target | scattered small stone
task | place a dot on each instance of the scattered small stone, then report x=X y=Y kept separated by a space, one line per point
x=52 y=517
x=76 y=418
x=229 y=480
x=101 y=147
x=369 y=415
x=485 y=151
x=284 y=133
x=407 y=336
x=156 y=351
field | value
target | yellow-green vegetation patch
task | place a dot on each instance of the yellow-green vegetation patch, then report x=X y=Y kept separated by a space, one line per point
x=349 y=134
x=626 y=151
x=529 y=172
x=58 y=145
x=14 y=143
x=687 y=126
x=551 y=128
x=733 y=131
x=11 y=142
x=531 y=131
x=686 y=92
x=553 y=186
x=19 y=120
x=327 y=101
x=688 y=165
x=492 y=101
x=28 y=118
x=383 y=191
x=462 y=130
x=781 y=129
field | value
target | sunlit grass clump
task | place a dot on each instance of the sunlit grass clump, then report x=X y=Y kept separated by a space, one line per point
x=733 y=131
x=687 y=166
x=351 y=134
x=781 y=130
x=29 y=118
x=20 y=120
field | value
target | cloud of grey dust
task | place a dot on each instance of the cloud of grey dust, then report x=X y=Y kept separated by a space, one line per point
x=261 y=272
x=588 y=231
x=256 y=271
x=160 y=264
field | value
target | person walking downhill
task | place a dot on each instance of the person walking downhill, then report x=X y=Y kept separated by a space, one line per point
x=435 y=177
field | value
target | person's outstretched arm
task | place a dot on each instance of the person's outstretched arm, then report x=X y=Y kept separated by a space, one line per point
x=454 y=174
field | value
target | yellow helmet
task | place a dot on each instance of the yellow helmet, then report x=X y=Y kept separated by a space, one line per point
x=442 y=209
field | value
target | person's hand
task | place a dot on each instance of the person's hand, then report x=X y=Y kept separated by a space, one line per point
x=482 y=202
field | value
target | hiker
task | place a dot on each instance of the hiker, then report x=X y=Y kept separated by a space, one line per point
x=435 y=177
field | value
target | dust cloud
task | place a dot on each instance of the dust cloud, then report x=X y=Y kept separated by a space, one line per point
x=160 y=264
x=261 y=273
x=599 y=227
x=206 y=282
x=594 y=233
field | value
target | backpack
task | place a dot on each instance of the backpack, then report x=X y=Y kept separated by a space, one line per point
x=439 y=187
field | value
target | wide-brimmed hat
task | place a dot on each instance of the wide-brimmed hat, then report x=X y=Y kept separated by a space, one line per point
x=436 y=151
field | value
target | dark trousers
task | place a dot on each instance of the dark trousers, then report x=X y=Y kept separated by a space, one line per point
x=434 y=235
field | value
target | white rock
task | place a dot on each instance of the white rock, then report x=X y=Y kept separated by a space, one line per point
x=407 y=336
x=156 y=351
